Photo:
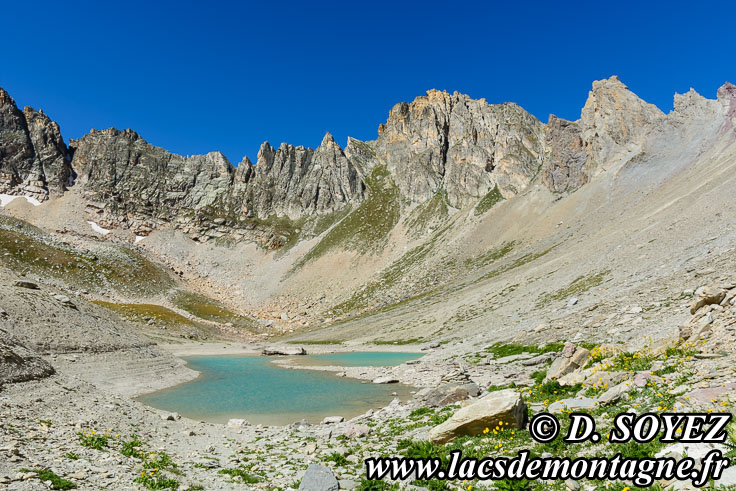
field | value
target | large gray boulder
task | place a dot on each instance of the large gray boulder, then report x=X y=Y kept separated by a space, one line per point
x=318 y=478
x=19 y=364
x=504 y=406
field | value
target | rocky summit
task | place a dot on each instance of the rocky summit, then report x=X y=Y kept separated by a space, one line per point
x=554 y=267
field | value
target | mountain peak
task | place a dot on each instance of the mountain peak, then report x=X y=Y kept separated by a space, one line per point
x=327 y=139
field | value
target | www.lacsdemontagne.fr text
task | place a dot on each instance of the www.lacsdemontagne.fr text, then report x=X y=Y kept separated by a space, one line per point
x=640 y=471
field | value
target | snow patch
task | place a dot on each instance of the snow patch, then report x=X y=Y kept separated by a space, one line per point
x=139 y=238
x=6 y=199
x=98 y=229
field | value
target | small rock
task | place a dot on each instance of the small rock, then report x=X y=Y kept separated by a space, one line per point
x=237 y=423
x=614 y=394
x=356 y=430
x=171 y=417
x=385 y=380
x=329 y=420
x=26 y=284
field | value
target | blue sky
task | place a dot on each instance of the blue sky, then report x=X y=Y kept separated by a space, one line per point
x=195 y=77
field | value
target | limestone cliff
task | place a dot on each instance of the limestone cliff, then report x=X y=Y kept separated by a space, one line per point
x=34 y=160
x=445 y=143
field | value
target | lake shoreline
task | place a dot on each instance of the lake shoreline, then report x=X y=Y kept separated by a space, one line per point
x=243 y=385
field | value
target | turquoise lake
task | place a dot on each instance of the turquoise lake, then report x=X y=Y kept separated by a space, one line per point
x=359 y=359
x=253 y=388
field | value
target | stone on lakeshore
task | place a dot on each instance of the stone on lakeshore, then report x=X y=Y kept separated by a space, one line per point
x=284 y=351
x=386 y=380
x=503 y=406
x=237 y=423
x=329 y=420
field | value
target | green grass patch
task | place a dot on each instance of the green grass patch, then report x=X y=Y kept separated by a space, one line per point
x=240 y=473
x=155 y=480
x=141 y=312
x=428 y=214
x=132 y=448
x=210 y=309
x=56 y=481
x=384 y=342
x=490 y=256
x=628 y=362
x=366 y=485
x=338 y=459
x=318 y=342
x=366 y=228
x=517 y=263
x=92 y=439
x=488 y=201
x=27 y=249
x=579 y=286
x=502 y=350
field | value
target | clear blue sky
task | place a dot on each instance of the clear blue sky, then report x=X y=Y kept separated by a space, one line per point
x=195 y=77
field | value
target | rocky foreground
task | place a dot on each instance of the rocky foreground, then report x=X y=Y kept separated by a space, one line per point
x=62 y=431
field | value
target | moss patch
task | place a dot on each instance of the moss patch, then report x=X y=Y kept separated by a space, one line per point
x=431 y=212
x=580 y=285
x=366 y=228
x=142 y=312
x=488 y=201
x=210 y=309
x=27 y=249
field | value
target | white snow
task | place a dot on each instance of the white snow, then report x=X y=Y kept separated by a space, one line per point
x=139 y=238
x=5 y=199
x=98 y=229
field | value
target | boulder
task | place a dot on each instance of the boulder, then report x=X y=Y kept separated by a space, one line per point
x=570 y=359
x=284 y=351
x=449 y=394
x=170 y=416
x=386 y=380
x=66 y=301
x=356 y=430
x=707 y=299
x=318 y=478
x=614 y=394
x=26 y=284
x=538 y=360
x=504 y=406
x=329 y=420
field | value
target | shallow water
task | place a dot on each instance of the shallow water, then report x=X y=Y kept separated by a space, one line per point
x=359 y=359
x=253 y=388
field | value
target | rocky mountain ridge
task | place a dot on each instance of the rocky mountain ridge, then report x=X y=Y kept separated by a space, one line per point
x=439 y=143
x=34 y=160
